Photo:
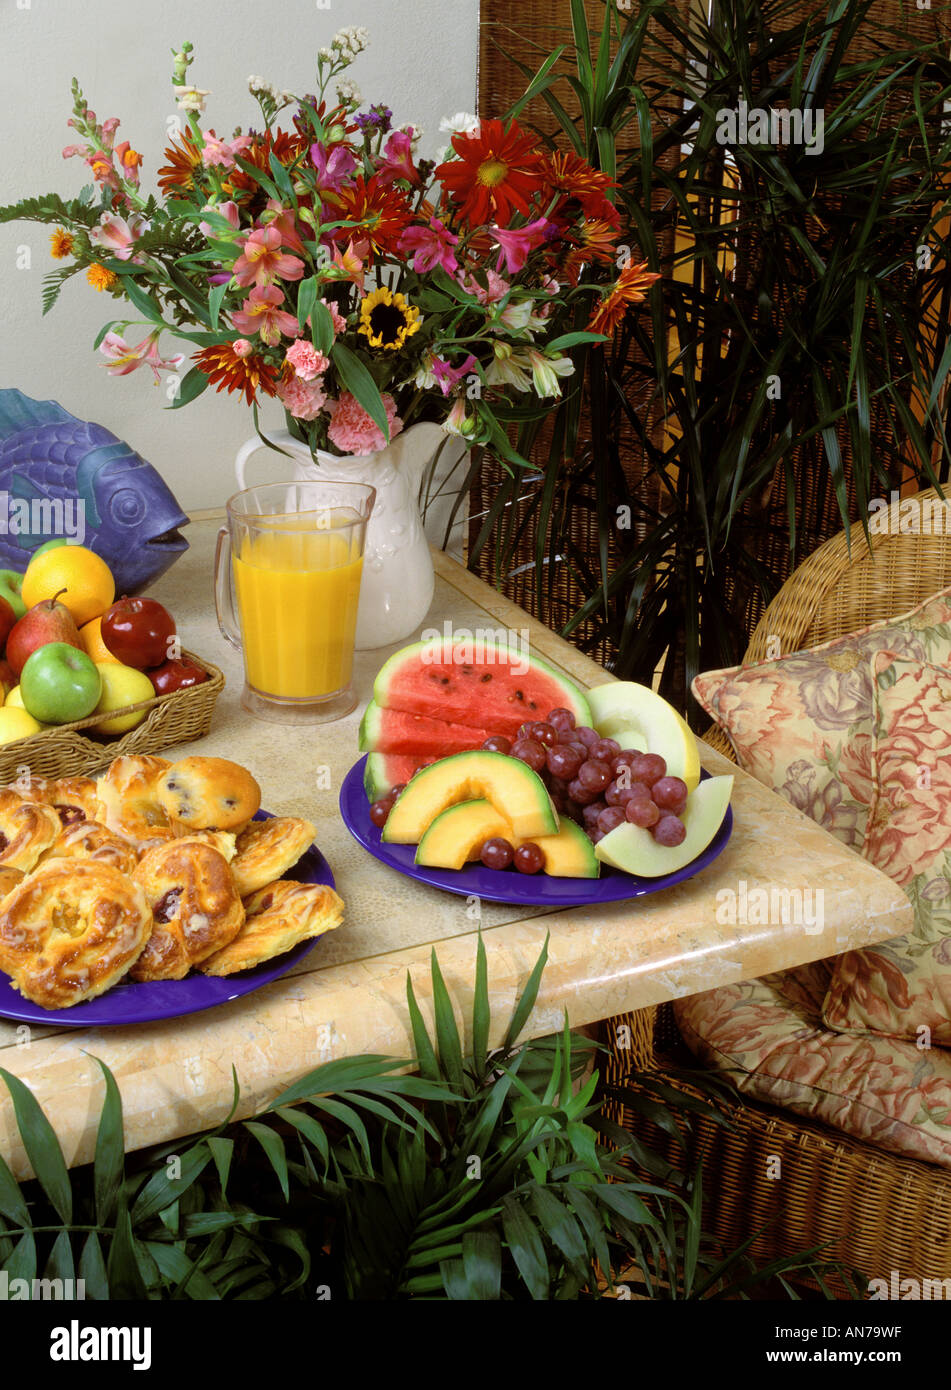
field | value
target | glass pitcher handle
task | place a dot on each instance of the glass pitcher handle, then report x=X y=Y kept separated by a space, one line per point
x=224 y=605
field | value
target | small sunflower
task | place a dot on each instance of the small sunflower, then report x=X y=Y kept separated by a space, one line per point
x=100 y=278
x=61 y=243
x=387 y=319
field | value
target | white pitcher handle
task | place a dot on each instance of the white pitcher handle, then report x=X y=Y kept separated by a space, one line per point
x=241 y=461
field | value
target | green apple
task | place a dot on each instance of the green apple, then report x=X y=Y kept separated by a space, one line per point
x=10 y=581
x=60 y=683
x=49 y=545
x=635 y=850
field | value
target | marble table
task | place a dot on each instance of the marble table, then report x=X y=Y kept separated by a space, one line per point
x=348 y=996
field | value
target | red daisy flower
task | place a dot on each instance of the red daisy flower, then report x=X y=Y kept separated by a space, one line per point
x=250 y=374
x=497 y=173
x=627 y=289
x=178 y=175
x=593 y=241
x=380 y=213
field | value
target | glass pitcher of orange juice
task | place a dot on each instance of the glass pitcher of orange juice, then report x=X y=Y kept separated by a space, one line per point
x=287 y=586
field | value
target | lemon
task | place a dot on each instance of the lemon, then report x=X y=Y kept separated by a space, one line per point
x=17 y=723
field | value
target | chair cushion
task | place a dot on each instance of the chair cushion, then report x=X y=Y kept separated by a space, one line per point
x=802 y=723
x=767 y=1036
x=902 y=988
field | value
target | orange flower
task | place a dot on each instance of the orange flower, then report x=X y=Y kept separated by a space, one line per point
x=381 y=213
x=178 y=175
x=627 y=289
x=497 y=172
x=595 y=242
x=249 y=374
x=100 y=278
x=61 y=243
x=573 y=177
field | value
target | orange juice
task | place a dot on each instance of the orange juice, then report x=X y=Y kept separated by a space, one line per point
x=297 y=590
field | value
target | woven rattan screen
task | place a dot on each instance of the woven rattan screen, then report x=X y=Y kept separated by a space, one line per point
x=527 y=34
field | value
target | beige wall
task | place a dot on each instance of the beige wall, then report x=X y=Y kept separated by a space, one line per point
x=421 y=61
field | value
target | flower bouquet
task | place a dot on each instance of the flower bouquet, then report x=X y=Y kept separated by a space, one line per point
x=327 y=265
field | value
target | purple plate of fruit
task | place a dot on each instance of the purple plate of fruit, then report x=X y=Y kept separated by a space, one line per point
x=508 y=885
x=164 y=999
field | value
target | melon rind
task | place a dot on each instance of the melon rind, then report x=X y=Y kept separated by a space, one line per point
x=572 y=696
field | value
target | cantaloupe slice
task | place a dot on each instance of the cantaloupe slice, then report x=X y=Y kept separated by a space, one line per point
x=516 y=792
x=457 y=835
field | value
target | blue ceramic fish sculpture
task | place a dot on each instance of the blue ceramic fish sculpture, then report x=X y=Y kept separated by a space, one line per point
x=62 y=476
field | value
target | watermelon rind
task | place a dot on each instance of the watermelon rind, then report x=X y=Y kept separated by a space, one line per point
x=572 y=696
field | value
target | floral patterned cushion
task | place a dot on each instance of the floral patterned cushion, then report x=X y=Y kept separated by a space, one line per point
x=767 y=1036
x=902 y=988
x=802 y=724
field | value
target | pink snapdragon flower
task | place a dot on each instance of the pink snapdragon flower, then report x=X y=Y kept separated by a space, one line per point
x=118 y=234
x=228 y=210
x=302 y=399
x=397 y=162
x=430 y=246
x=352 y=429
x=515 y=243
x=308 y=362
x=242 y=348
x=222 y=152
x=124 y=359
x=260 y=313
x=263 y=261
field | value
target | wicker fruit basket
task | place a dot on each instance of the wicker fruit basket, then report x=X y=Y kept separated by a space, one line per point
x=67 y=751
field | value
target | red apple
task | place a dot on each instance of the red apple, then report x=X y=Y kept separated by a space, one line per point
x=7 y=620
x=138 y=631
x=176 y=675
x=47 y=621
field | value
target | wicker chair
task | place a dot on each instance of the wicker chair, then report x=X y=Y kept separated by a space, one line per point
x=878 y=1212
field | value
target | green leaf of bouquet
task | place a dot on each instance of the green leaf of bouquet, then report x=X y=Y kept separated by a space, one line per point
x=306 y=299
x=361 y=385
x=447 y=1034
x=92 y=1268
x=109 y=1163
x=259 y=177
x=481 y=1013
x=143 y=302
x=282 y=179
x=422 y=1043
x=222 y=1151
x=215 y=297
x=193 y=383
x=322 y=326
x=568 y=340
x=42 y=1147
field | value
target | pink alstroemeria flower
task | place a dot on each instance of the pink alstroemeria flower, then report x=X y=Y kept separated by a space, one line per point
x=332 y=170
x=515 y=243
x=397 y=160
x=228 y=210
x=260 y=314
x=283 y=219
x=350 y=262
x=118 y=235
x=263 y=261
x=448 y=376
x=431 y=246
x=496 y=289
x=124 y=359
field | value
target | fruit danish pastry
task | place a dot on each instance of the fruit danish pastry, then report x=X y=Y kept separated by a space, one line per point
x=196 y=907
x=266 y=849
x=72 y=798
x=128 y=802
x=71 y=930
x=279 y=916
x=87 y=839
x=27 y=829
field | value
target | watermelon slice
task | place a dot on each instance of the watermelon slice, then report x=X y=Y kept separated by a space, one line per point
x=482 y=685
x=384 y=771
x=396 y=731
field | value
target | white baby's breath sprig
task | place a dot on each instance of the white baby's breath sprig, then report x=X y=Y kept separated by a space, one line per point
x=348 y=93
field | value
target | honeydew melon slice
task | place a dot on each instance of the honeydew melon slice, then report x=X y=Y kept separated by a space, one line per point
x=516 y=792
x=640 y=713
x=635 y=850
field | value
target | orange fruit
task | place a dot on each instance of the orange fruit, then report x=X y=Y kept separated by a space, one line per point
x=86 y=579
x=91 y=633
